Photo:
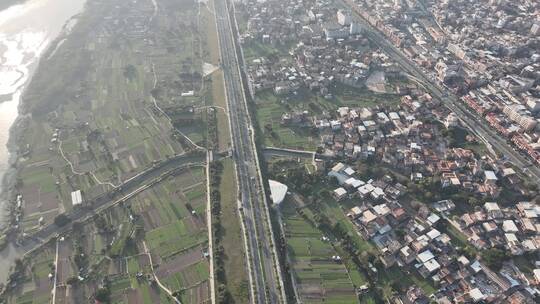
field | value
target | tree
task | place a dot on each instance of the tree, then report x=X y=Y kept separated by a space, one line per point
x=385 y=292
x=72 y=280
x=364 y=257
x=400 y=233
x=532 y=187
x=103 y=295
x=61 y=220
x=130 y=72
x=494 y=258
x=473 y=201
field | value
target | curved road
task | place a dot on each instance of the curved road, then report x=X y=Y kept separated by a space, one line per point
x=127 y=189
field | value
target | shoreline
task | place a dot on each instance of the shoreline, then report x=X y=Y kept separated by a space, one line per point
x=8 y=191
x=17 y=129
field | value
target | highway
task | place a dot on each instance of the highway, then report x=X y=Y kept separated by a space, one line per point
x=471 y=120
x=264 y=269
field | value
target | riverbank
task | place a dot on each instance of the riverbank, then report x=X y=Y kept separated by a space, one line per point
x=9 y=180
x=31 y=38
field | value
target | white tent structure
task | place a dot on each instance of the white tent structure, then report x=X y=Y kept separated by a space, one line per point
x=277 y=191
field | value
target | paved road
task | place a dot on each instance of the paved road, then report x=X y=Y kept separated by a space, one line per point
x=265 y=280
x=109 y=198
x=271 y=151
x=472 y=121
x=278 y=152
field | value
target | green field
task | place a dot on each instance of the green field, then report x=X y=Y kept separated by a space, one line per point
x=268 y=113
x=110 y=247
x=270 y=108
x=95 y=123
x=235 y=272
x=174 y=236
x=318 y=278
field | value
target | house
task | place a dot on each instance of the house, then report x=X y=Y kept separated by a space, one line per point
x=353 y=183
x=490 y=178
x=476 y=295
x=355 y=212
x=343 y=17
x=536 y=273
x=425 y=256
x=339 y=193
x=349 y=171
x=406 y=254
x=338 y=167
x=433 y=234
x=335 y=31
x=463 y=261
x=368 y=217
x=509 y=226
x=365 y=190
x=493 y=210
x=429 y=267
x=432 y=219
x=377 y=193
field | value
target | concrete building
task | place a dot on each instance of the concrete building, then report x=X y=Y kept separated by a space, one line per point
x=335 y=31
x=344 y=17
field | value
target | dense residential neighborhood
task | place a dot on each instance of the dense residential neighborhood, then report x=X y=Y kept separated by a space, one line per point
x=450 y=208
x=415 y=239
x=496 y=69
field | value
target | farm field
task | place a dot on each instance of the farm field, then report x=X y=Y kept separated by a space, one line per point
x=268 y=113
x=168 y=243
x=159 y=235
x=174 y=220
x=270 y=107
x=319 y=279
x=127 y=66
x=36 y=288
x=87 y=253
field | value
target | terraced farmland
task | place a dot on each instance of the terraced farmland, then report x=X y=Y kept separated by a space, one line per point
x=173 y=217
x=101 y=120
x=319 y=278
x=137 y=252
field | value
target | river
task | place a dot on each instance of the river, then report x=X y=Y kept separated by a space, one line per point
x=26 y=31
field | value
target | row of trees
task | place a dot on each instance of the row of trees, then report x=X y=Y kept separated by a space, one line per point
x=222 y=293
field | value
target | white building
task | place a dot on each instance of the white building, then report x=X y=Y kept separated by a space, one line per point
x=76 y=198
x=343 y=17
x=335 y=31
x=340 y=193
x=355 y=28
x=277 y=191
